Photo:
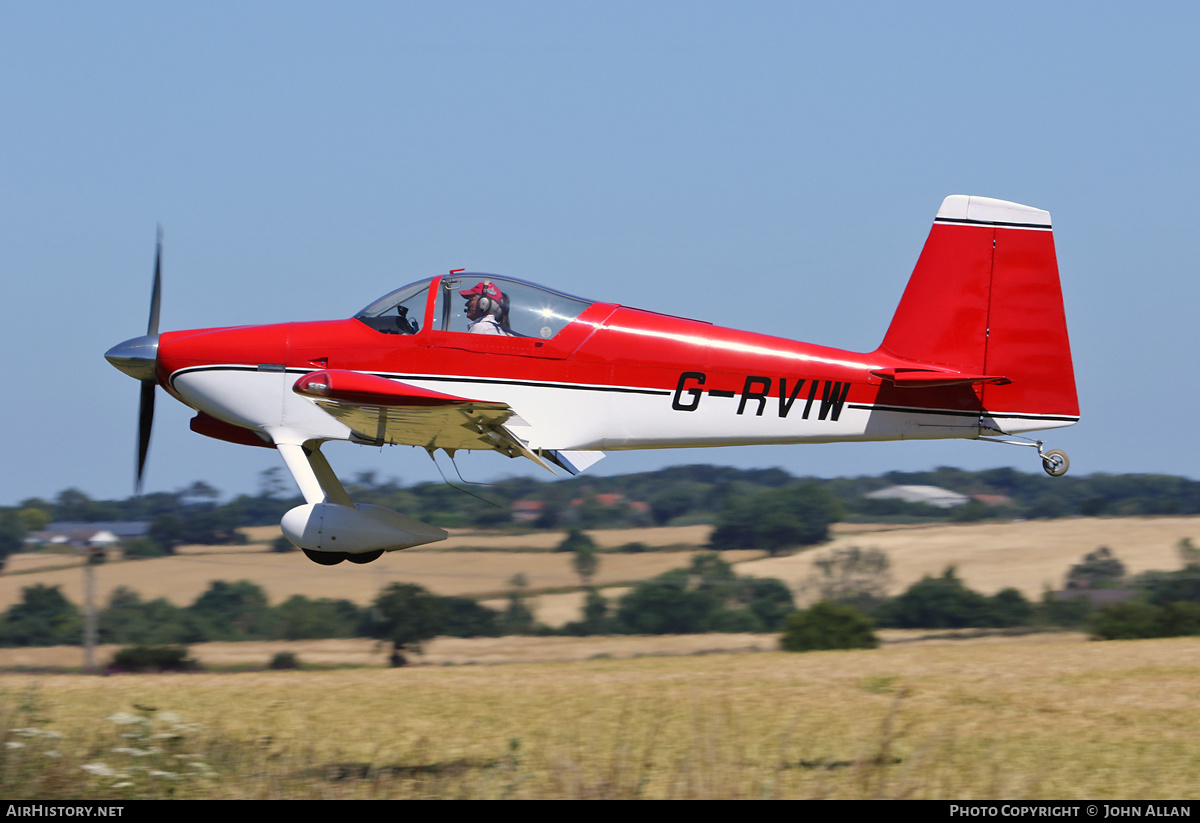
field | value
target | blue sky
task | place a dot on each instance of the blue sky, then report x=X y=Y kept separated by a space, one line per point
x=696 y=158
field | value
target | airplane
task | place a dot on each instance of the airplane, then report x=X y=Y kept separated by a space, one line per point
x=977 y=349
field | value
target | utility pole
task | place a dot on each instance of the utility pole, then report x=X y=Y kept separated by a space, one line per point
x=93 y=556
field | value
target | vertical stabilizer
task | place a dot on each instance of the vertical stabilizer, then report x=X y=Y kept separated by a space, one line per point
x=985 y=298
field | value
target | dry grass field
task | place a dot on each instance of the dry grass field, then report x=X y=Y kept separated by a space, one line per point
x=183 y=578
x=707 y=716
x=1028 y=555
x=1028 y=718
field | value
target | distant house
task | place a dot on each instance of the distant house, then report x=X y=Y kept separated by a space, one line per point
x=993 y=499
x=88 y=535
x=929 y=495
x=526 y=510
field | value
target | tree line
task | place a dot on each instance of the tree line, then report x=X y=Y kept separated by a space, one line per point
x=853 y=582
x=673 y=496
x=849 y=585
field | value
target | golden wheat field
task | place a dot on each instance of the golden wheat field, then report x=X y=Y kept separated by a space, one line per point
x=707 y=716
x=1038 y=718
x=1028 y=555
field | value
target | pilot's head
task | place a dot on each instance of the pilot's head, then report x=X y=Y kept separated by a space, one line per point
x=482 y=299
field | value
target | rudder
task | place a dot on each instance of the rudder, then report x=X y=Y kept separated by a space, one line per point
x=985 y=299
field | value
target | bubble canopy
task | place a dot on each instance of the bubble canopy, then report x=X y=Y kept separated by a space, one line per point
x=526 y=309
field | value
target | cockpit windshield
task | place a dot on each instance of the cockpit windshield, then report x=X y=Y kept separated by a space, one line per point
x=476 y=303
x=398 y=312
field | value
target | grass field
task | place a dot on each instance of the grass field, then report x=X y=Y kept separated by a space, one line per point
x=717 y=716
x=1041 y=717
x=1028 y=555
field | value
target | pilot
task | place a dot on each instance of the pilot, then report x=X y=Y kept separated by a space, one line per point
x=487 y=309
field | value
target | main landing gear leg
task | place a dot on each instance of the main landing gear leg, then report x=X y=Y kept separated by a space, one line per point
x=1054 y=462
x=319 y=484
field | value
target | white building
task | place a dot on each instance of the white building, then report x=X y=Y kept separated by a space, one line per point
x=929 y=495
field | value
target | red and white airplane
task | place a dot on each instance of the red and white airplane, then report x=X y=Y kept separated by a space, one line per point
x=977 y=349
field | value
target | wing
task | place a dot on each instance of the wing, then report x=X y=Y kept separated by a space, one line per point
x=379 y=410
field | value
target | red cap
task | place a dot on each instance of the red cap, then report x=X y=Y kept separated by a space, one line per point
x=486 y=288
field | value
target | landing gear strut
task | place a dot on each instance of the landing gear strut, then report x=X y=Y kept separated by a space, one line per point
x=1055 y=462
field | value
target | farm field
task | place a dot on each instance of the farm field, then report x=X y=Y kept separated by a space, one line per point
x=1028 y=555
x=1041 y=717
x=184 y=577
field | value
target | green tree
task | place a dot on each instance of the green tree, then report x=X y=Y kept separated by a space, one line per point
x=1099 y=569
x=142 y=547
x=129 y=619
x=1008 y=607
x=12 y=534
x=33 y=519
x=852 y=576
x=1072 y=612
x=407 y=615
x=167 y=530
x=826 y=626
x=43 y=617
x=936 y=603
x=518 y=617
x=769 y=599
x=575 y=540
x=665 y=605
x=1160 y=588
x=1189 y=552
x=1135 y=620
x=74 y=505
x=705 y=597
x=672 y=502
x=585 y=556
x=595 y=617
x=144 y=658
x=777 y=519
x=301 y=618
x=466 y=618
x=233 y=611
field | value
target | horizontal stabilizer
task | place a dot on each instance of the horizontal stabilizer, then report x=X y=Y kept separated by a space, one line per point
x=927 y=378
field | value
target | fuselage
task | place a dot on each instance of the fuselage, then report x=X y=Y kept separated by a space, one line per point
x=612 y=378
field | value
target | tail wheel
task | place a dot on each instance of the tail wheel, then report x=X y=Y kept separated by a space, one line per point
x=364 y=557
x=325 y=558
x=1056 y=462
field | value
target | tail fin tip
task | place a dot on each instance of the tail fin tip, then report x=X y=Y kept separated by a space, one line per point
x=965 y=208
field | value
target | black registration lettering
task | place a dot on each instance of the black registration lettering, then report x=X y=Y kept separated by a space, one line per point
x=786 y=400
x=749 y=392
x=832 y=399
x=677 y=402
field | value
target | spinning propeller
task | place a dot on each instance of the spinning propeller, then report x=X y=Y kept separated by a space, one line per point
x=138 y=358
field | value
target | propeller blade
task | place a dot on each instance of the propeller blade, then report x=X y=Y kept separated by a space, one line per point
x=145 y=422
x=146 y=410
x=156 y=292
